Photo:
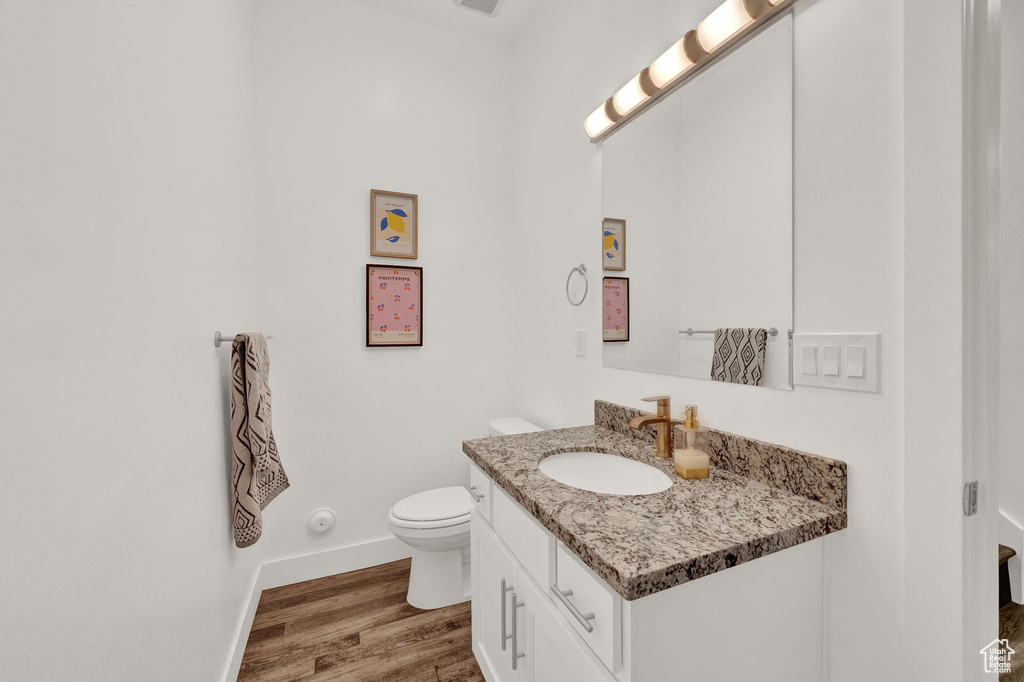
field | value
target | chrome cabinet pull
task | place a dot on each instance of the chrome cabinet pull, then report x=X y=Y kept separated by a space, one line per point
x=504 y=637
x=516 y=654
x=583 y=618
x=470 y=489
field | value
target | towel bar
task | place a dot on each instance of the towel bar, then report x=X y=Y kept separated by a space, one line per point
x=690 y=332
x=219 y=338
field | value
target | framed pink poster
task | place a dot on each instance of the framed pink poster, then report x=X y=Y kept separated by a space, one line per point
x=394 y=306
x=615 y=309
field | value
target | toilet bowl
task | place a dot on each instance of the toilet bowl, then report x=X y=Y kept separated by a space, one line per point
x=435 y=523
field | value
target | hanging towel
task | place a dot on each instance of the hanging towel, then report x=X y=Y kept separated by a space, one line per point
x=739 y=355
x=256 y=473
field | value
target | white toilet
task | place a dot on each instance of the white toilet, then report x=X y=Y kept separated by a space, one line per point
x=435 y=524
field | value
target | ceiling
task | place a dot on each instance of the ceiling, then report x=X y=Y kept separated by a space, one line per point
x=512 y=18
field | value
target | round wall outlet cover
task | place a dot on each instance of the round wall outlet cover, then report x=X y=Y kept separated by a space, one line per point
x=321 y=522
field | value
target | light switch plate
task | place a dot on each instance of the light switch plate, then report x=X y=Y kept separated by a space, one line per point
x=581 y=343
x=830 y=361
x=809 y=360
x=856 y=356
x=842 y=357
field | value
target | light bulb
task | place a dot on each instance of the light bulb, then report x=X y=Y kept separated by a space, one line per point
x=629 y=96
x=597 y=122
x=670 y=65
x=722 y=24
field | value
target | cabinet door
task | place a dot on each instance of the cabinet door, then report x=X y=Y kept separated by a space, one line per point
x=553 y=651
x=494 y=581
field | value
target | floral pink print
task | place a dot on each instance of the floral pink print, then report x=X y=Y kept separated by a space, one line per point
x=614 y=309
x=390 y=312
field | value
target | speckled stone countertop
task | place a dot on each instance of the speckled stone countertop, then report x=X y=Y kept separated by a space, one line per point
x=643 y=544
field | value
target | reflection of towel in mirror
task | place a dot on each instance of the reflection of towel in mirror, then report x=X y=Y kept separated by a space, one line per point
x=256 y=473
x=739 y=355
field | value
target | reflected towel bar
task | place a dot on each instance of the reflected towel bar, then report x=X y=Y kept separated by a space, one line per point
x=690 y=332
x=219 y=338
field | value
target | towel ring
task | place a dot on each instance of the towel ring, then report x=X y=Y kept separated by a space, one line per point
x=582 y=269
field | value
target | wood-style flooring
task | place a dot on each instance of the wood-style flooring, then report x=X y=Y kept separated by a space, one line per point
x=357 y=627
x=1011 y=621
x=1011 y=627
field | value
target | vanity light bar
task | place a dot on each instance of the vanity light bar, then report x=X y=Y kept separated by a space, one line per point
x=720 y=32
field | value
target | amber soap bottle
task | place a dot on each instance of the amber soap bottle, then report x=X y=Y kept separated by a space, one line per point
x=692 y=460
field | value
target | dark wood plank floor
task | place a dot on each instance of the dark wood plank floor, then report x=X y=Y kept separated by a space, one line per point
x=1011 y=622
x=357 y=627
x=1011 y=627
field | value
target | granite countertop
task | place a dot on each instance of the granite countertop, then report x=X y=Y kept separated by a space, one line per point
x=642 y=544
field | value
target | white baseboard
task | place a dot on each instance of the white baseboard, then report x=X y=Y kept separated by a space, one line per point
x=309 y=567
x=242 y=636
x=333 y=561
x=1011 y=534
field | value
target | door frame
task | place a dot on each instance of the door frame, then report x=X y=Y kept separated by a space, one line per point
x=981 y=88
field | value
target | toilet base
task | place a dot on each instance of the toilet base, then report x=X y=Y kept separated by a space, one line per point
x=437 y=579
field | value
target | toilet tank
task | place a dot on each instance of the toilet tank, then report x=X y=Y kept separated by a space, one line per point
x=508 y=426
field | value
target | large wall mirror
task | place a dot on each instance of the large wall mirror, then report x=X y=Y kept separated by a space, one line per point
x=704 y=182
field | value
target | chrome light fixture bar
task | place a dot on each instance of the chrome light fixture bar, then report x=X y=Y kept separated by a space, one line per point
x=718 y=34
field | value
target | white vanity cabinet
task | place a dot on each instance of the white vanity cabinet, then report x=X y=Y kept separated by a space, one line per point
x=551 y=653
x=518 y=635
x=760 y=620
x=494 y=580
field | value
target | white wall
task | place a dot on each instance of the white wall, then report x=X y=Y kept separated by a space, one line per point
x=349 y=98
x=848 y=222
x=126 y=194
x=934 y=269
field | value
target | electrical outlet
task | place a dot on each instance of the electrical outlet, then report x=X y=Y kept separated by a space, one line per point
x=581 y=343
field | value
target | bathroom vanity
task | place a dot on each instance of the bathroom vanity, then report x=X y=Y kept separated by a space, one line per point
x=715 y=579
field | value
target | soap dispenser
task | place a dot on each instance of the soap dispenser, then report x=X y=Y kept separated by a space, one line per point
x=692 y=460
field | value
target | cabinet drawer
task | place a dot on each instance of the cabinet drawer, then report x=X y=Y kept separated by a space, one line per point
x=590 y=595
x=480 y=486
x=531 y=543
x=554 y=652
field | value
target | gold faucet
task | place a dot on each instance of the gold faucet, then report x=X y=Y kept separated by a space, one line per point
x=664 y=421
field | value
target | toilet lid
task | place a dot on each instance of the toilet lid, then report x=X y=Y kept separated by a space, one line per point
x=434 y=505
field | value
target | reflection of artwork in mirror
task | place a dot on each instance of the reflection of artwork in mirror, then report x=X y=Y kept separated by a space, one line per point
x=613 y=240
x=615 y=309
x=705 y=179
x=394 y=229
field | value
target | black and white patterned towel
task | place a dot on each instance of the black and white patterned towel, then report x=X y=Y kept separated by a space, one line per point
x=739 y=355
x=257 y=476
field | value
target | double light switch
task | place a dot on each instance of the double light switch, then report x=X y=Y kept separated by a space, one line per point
x=844 y=361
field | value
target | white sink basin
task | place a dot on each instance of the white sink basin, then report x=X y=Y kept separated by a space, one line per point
x=600 y=472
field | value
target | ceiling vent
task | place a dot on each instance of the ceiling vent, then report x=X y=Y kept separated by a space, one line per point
x=488 y=7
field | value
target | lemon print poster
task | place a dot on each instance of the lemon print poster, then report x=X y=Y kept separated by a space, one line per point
x=613 y=241
x=393 y=224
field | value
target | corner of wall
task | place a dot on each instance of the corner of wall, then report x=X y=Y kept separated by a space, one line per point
x=308 y=567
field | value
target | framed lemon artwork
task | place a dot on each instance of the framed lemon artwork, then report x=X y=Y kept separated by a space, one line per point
x=394 y=224
x=613 y=241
